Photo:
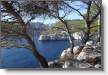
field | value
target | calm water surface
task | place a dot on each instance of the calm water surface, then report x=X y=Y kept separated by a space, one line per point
x=23 y=58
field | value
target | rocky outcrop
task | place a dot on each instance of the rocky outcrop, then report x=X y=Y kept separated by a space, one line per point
x=60 y=36
x=55 y=64
x=43 y=37
x=89 y=51
x=89 y=43
x=66 y=55
x=78 y=35
x=90 y=57
x=51 y=37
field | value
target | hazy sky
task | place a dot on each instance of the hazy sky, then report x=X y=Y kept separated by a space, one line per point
x=73 y=15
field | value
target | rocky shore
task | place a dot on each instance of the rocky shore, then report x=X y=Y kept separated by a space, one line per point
x=51 y=37
x=59 y=36
x=90 y=57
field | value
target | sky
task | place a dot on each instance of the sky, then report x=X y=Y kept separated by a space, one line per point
x=71 y=16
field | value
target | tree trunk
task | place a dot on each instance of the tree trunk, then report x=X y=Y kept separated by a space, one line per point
x=38 y=56
x=85 y=39
x=12 y=11
x=71 y=40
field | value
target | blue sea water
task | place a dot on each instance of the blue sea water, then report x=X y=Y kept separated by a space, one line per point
x=23 y=58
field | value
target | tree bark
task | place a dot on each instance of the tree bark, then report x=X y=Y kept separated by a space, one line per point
x=85 y=39
x=38 y=56
x=71 y=39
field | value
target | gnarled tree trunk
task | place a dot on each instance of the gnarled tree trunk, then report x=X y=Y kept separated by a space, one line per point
x=71 y=39
x=9 y=8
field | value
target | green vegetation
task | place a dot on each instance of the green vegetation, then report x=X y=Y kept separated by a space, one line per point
x=95 y=26
x=10 y=28
x=74 y=25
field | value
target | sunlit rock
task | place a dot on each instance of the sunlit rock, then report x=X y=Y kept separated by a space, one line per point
x=78 y=35
x=75 y=49
x=90 y=43
x=85 y=53
x=54 y=64
x=89 y=57
x=97 y=66
x=82 y=56
x=43 y=37
x=85 y=65
x=66 y=54
x=66 y=64
x=51 y=37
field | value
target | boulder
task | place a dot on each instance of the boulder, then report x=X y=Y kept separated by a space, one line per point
x=63 y=53
x=78 y=35
x=97 y=66
x=66 y=64
x=99 y=44
x=88 y=52
x=51 y=37
x=55 y=64
x=85 y=65
x=89 y=57
x=66 y=54
x=81 y=56
x=73 y=63
x=79 y=64
x=75 y=49
x=89 y=43
x=43 y=37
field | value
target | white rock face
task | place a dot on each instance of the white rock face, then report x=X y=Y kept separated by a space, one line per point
x=63 y=53
x=51 y=37
x=68 y=50
x=88 y=52
x=98 y=44
x=75 y=64
x=66 y=64
x=90 y=43
x=66 y=54
x=78 y=35
x=75 y=49
x=84 y=65
x=97 y=66
x=94 y=55
x=43 y=37
x=52 y=62
x=82 y=56
x=71 y=63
